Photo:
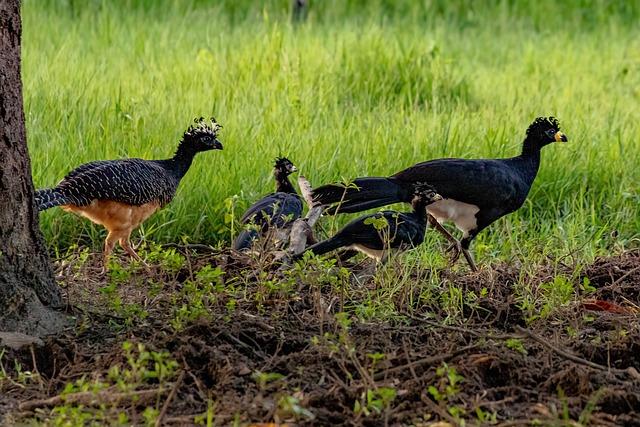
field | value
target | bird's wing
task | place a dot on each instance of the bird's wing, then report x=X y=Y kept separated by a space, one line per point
x=85 y=167
x=372 y=231
x=288 y=211
x=130 y=181
x=484 y=183
x=274 y=209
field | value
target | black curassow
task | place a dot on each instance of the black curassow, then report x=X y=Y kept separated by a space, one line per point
x=476 y=192
x=274 y=211
x=379 y=233
x=121 y=194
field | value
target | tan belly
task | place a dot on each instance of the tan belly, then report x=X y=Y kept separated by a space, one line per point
x=114 y=215
x=462 y=214
x=377 y=254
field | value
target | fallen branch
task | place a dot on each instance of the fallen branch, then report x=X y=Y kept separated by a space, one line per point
x=175 y=387
x=90 y=398
x=632 y=372
x=426 y=361
x=624 y=276
x=479 y=334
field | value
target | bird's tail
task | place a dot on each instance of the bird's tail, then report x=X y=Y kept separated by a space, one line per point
x=362 y=194
x=49 y=198
x=323 y=247
x=245 y=239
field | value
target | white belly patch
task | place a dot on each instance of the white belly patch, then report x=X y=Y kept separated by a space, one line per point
x=463 y=215
x=372 y=253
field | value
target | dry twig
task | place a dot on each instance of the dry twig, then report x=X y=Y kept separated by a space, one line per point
x=90 y=398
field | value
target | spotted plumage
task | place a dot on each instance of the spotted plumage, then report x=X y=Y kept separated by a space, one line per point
x=274 y=211
x=121 y=194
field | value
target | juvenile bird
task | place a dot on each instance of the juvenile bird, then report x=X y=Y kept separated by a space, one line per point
x=121 y=194
x=274 y=211
x=376 y=235
x=476 y=192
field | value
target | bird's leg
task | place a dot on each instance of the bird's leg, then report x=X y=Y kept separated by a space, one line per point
x=383 y=259
x=125 y=243
x=455 y=248
x=109 y=244
x=435 y=224
x=464 y=245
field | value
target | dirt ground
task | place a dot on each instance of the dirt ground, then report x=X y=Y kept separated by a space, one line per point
x=489 y=366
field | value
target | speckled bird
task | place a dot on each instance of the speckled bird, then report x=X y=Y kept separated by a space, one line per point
x=121 y=194
x=274 y=211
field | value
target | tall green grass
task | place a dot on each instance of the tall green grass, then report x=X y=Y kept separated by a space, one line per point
x=361 y=88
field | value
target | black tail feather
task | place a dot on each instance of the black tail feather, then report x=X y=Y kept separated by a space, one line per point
x=356 y=206
x=323 y=247
x=245 y=239
x=364 y=193
x=48 y=198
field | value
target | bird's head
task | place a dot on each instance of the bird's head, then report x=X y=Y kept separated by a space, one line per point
x=544 y=131
x=425 y=194
x=283 y=167
x=202 y=135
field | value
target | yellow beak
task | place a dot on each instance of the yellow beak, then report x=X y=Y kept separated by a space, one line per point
x=561 y=137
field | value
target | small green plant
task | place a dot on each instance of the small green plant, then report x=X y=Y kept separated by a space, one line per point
x=291 y=407
x=586 y=286
x=130 y=313
x=142 y=368
x=195 y=298
x=447 y=389
x=516 y=345
x=555 y=294
x=376 y=400
x=265 y=378
x=21 y=378
x=168 y=259
x=206 y=418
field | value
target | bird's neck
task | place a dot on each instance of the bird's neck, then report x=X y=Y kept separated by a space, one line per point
x=530 y=149
x=530 y=158
x=283 y=185
x=181 y=161
x=420 y=210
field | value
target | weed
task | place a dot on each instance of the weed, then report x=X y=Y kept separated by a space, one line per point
x=447 y=388
x=516 y=345
x=291 y=407
x=142 y=368
x=196 y=297
x=375 y=400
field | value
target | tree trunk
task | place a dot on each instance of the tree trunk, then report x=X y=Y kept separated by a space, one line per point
x=27 y=284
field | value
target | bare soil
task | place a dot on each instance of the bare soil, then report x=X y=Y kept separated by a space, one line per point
x=581 y=363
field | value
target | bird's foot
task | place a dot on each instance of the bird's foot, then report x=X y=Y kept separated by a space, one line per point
x=455 y=249
x=470 y=260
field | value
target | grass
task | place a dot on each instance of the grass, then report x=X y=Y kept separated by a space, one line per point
x=361 y=88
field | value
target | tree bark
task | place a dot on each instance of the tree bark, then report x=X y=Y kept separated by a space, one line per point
x=27 y=284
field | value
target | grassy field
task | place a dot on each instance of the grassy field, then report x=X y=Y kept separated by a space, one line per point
x=546 y=333
x=362 y=88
